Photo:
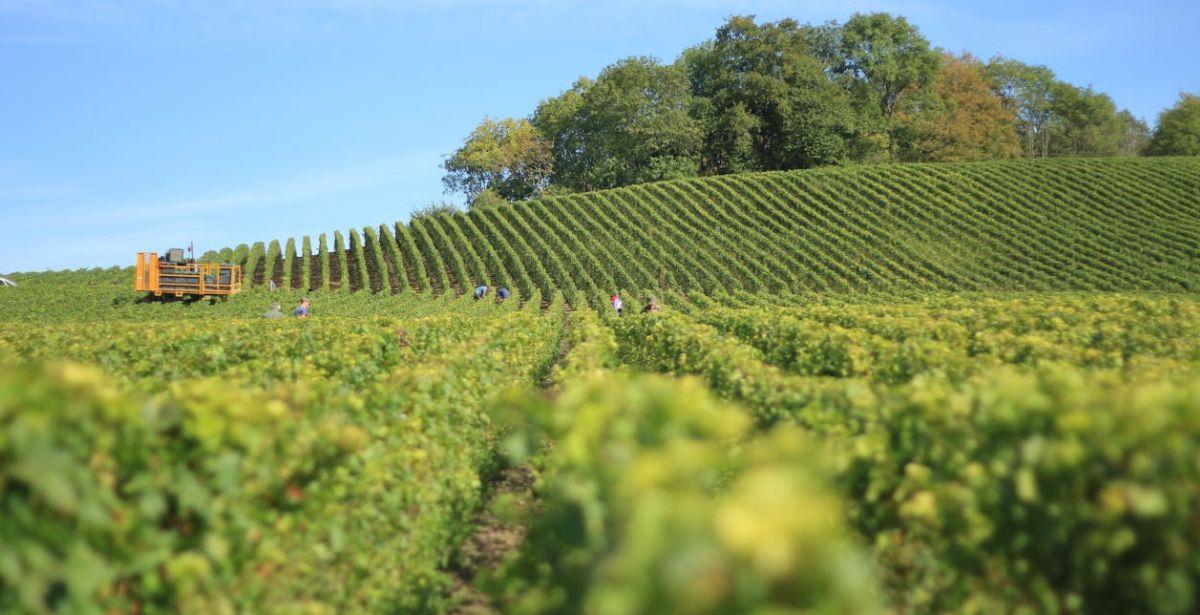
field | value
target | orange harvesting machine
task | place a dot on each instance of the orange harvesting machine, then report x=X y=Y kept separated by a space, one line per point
x=175 y=275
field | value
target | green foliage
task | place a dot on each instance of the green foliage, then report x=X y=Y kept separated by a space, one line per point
x=765 y=100
x=1027 y=90
x=1178 y=130
x=955 y=336
x=629 y=524
x=253 y=273
x=630 y=125
x=289 y=278
x=356 y=263
x=996 y=454
x=273 y=264
x=305 y=276
x=1058 y=491
x=1085 y=123
x=885 y=440
x=373 y=258
x=487 y=198
x=116 y=503
x=1055 y=118
x=784 y=95
x=889 y=55
x=338 y=276
x=240 y=254
x=506 y=157
x=322 y=262
x=435 y=208
x=265 y=473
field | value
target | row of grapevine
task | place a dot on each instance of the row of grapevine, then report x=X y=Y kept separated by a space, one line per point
x=417 y=274
x=962 y=336
x=439 y=276
x=397 y=276
x=356 y=265
x=372 y=255
x=675 y=344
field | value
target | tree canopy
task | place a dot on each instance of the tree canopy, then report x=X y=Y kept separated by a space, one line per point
x=762 y=96
x=1055 y=118
x=765 y=101
x=888 y=55
x=631 y=125
x=508 y=157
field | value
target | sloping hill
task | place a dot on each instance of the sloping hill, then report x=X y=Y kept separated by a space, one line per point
x=1027 y=225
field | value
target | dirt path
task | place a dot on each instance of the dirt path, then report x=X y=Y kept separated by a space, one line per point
x=547 y=383
x=495 y=539
x=492 y=541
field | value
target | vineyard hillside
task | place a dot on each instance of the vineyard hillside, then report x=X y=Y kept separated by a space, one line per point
x=1064 y=224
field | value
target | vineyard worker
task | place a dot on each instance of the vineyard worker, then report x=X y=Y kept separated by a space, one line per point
x=301 y=310
x=480 y=292
x=502 y=293
x=651 y=307
x=276 y=311
x=617 y=304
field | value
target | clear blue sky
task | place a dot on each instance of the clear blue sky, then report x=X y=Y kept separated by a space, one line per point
x=143 y=124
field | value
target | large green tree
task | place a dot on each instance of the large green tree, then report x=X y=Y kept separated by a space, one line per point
x=508 y=157
x=888 y=60
x=889 y=55
x=1178 y=130
x=1084 y=122
x=631 y=125
x=765 y=100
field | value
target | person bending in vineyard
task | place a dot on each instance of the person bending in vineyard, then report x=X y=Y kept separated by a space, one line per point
x=617 y=304
x=276 y=311
x=301 y=310
x=502 y=293
x=480 y=292
x=652 y=306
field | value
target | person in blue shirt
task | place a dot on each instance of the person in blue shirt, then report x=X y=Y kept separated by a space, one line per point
x=301 y=310
x=502 y=293
x=480 y=292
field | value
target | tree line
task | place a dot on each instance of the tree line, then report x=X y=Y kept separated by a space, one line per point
x=785 y=95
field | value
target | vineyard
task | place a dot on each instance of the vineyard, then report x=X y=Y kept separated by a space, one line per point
x=899 y=389
x=1067 y=224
